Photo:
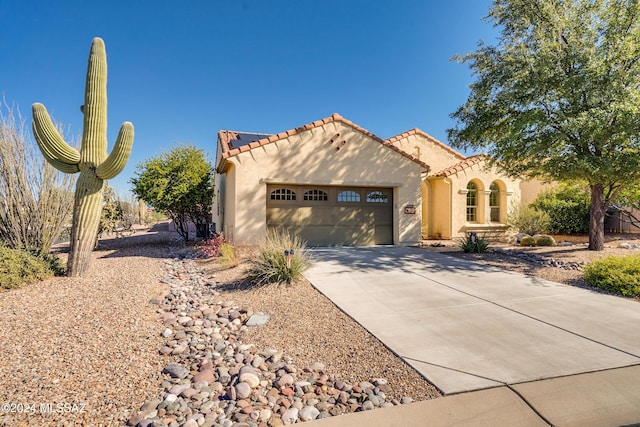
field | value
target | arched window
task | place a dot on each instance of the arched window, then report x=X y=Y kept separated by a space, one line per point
x=494 y=202
x=316 y=195
x=348 y=196
x=472 y=202
x=377 y=197
x=283 y=194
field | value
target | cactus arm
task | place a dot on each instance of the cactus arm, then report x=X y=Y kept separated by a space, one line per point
x=119 y=156
x=50 y=157
x=49 y=139
x=94 y=134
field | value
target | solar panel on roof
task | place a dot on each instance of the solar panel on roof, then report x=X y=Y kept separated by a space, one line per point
x=244 y=138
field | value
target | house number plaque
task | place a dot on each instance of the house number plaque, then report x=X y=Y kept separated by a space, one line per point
x=410 y=210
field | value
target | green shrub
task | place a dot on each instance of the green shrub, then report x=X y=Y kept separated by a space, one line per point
x=272 y=265
x=52 y=261
x=19 y=267
x=567 y=207
x=527 y=241
x=472 y=243
x=528 y=220
x=228 y=255
x=620 y=275
x=545 y=241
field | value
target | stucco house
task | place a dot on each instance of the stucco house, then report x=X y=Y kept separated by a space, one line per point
x=335 y=183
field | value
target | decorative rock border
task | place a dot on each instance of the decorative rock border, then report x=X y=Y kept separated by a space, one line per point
x=625 y=245
x=540 y=259
x=217 y=380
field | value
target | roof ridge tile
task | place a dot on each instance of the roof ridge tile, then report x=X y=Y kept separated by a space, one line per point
x=460 y=166
x=417 y=131
x=335 y=117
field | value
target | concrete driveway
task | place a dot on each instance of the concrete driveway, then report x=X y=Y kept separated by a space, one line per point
x=466 y=326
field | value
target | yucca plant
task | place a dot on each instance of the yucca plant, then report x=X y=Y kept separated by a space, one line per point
x=472 y=243
x=282 y=258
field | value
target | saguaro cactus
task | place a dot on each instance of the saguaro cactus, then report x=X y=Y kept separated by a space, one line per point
x=91 y=161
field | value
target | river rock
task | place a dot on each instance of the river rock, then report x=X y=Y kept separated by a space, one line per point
x=176 y=370
x=309 y=413
x=290 y=416
x=243 y=390
x=251 y=379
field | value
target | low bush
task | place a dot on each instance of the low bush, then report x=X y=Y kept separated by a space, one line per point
x=527 y=241
x=228 y=255
x=472 y=243
x=282 y=258
x=620 y=275
x=52 y=261
x=19 y=267
x=210 y=248
x=528 y=220
x=545 y=241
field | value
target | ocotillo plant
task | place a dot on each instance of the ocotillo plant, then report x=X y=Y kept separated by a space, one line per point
x=91 y=161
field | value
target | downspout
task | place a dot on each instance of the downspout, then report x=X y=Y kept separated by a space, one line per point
x=220 y=193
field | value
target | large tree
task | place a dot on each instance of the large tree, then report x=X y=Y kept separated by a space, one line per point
x=558 y=96
x=177 y=183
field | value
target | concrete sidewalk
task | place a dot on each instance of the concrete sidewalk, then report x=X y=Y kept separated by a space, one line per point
x=603 y=399
x=467 y=327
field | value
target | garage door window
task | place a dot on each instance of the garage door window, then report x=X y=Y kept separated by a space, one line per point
x=316 y=195
x=377 y=197
x=348 y=196
x=283 y=194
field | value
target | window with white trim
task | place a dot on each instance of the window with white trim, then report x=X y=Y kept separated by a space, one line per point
x=472 y=202
x=494 y=202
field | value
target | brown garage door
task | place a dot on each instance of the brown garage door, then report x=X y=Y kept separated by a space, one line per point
x=326 y=216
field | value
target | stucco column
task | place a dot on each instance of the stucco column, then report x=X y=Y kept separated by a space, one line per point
x=486 y=216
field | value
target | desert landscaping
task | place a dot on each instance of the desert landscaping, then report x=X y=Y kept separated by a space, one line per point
x=105 y=349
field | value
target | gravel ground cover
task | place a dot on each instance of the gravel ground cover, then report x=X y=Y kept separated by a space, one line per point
x=84 y=351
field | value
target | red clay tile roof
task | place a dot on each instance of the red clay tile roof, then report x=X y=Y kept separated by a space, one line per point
x=226 y=137
x=466 y=163
x=417 y=131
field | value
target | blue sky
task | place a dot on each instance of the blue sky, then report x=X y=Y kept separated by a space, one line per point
x=180 y=71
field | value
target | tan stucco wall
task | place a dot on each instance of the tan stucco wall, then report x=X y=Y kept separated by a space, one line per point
x=530 y=189
x=308 y=157
x=456 y=209
x=431 y=153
